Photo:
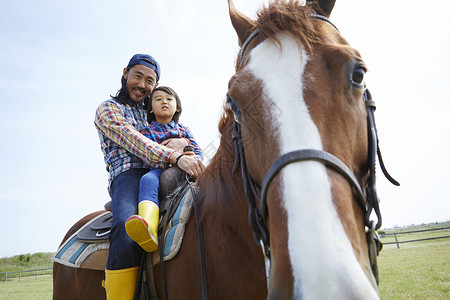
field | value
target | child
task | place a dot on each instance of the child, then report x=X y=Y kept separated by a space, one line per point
x=164 y=111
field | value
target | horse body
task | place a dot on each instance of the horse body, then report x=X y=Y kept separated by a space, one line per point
x=298 y=85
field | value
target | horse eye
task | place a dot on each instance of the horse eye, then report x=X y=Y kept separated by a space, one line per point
x=233 y=107
x=231 y=102
x=358 y=75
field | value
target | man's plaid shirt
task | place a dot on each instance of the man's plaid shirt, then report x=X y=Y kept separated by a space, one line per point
x=123 y=146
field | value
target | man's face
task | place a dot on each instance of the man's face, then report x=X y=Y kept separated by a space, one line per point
x=141 y=81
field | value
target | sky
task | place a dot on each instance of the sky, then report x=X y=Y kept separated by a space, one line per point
x=60 y=59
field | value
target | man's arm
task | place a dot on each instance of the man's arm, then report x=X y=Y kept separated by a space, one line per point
x=110 y=121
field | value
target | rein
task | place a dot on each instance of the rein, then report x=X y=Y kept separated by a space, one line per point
x=201 y=244
x=368 y=201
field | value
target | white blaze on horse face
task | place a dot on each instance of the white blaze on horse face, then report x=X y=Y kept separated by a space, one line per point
x=324 y=264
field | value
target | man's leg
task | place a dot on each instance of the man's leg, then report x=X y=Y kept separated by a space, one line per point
x=124 y=254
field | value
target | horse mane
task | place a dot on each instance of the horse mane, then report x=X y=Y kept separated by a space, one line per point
x=287 y=16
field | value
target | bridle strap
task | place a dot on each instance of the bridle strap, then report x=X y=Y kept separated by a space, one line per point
x=323 y=18
x=374 y=151
x=309 y=155
x=245 y=44
x=260 y=233
x=370 y=109
x=256 y=32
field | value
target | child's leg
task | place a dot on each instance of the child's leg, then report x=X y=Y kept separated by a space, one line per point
x=149 y=186
x=143 y=228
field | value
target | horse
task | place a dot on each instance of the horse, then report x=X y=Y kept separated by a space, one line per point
x=281 y=211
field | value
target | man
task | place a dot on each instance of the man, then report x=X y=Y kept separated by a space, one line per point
x=127 y=155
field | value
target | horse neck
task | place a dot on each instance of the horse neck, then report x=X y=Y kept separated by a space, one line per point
x=221 y=191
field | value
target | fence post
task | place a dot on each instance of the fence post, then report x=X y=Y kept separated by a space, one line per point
x=396 y=241
x=20 y=274
x=36 y=275
x=6 y=277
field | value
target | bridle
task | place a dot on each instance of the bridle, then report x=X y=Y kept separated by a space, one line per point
x=368 y=201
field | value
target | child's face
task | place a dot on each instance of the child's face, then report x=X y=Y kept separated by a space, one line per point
x=164 y=106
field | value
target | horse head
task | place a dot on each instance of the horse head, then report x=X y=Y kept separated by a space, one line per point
x=299 y=87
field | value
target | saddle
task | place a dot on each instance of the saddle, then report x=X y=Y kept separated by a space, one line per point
x=172 y=182
x=98 y=230
x=90 y=244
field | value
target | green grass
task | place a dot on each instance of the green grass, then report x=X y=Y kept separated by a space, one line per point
x=418 y=270
x=27 y=288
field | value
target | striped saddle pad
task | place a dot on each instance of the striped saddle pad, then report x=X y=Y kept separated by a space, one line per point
x=81 y=252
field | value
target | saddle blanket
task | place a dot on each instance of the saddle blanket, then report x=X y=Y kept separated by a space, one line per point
x=75 y=252
x=175 y=229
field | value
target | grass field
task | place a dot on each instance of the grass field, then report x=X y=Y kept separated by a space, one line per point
x=27 y=288
x=418 y=270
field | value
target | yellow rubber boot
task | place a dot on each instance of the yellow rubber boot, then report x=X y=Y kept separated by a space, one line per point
x=143 y=228
x=120 y=284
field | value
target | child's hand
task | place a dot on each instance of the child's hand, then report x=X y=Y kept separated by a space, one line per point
x=176 y=144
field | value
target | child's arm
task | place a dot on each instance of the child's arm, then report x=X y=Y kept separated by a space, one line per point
x=188 y=135
x=110 y=121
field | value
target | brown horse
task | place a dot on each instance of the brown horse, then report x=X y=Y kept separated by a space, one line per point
x=297 y=95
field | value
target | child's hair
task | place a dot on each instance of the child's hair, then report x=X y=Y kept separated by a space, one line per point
x=148 y=104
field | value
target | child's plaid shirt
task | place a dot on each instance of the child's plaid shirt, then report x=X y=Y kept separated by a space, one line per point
x=159 y=132
x=123 y=146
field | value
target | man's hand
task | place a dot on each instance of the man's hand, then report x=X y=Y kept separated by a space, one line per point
x=193 y=166
x=176 y=144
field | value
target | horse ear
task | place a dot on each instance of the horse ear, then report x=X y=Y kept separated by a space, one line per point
x=322 y=7
x=241 y=23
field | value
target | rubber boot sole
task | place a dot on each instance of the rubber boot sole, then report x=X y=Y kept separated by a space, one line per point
x=137 y=230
